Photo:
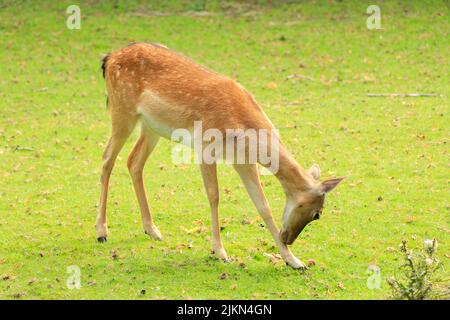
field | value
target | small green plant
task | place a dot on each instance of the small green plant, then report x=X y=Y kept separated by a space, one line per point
x=415 y=283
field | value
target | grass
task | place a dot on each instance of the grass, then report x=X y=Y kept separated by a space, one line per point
x=54 y=125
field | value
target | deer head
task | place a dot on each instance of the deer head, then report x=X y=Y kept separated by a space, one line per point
x=303 y=207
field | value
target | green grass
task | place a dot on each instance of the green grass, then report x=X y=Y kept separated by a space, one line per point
x=54 y=125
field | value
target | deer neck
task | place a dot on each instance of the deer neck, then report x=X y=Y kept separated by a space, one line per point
x=293 y=178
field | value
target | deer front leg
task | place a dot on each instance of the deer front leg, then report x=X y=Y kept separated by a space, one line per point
x=209 y=175
x=250 y=178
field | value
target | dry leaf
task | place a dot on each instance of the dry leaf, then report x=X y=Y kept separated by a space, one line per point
x=272 y=85
x=410 y=219
x=223 y=276
x=311 y=262
x=114 y=255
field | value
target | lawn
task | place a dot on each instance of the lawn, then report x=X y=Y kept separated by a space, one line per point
x=311 y=66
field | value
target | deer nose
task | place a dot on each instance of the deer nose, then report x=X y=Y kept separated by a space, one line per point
x=287 y=237
x=283 y=236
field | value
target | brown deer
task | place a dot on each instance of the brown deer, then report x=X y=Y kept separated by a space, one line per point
x=165 y=91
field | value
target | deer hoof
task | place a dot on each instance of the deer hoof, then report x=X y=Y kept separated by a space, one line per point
x=154 y=233
x=296 y=264
x=221 y=254
x=102 y=239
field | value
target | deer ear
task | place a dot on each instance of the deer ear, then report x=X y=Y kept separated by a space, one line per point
x=330 y=184
x=314 y=171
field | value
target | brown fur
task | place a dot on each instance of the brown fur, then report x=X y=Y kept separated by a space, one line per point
x=179 y=79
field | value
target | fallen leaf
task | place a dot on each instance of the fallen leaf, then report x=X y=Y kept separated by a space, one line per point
x=114 y=255
x=272 y=85
x=311 y=262
x=273 y=257
x=223 y=276
x=198 y=230
x=410 y=219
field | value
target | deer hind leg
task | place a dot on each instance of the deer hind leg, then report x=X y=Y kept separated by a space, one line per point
x=250 y=178
x=136 y=162
x=122 y=126
x=209 y=175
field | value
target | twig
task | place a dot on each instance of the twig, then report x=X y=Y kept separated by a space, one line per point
x=299 y=76
x=19 y=148
x=403 y=95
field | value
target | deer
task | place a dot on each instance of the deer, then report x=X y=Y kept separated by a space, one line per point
x=162 y=90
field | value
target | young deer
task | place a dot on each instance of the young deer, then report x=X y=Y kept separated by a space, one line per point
x=164 y=91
